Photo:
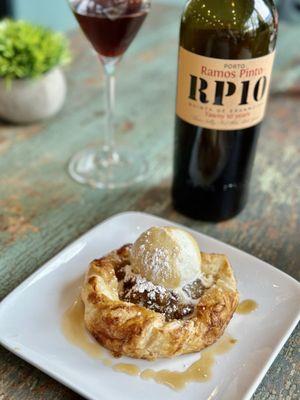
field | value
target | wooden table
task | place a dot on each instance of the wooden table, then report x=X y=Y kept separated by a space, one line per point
x=42 y=209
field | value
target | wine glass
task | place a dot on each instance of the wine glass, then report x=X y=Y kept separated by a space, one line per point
x=110 y=26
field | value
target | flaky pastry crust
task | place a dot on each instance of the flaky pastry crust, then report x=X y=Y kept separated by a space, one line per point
x=135 y=331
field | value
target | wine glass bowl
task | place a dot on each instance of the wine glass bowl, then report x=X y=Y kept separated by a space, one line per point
x=110 y=26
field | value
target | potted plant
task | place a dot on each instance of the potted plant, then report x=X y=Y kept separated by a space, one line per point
x=32 y=84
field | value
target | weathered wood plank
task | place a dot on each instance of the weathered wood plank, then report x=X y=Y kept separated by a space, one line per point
x=42 y=209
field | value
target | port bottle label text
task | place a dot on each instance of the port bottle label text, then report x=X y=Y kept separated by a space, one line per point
x=222 y=94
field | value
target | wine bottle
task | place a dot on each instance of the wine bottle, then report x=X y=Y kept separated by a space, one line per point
x=226 y=54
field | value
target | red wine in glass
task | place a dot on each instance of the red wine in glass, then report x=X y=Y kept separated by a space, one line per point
x=109 y=25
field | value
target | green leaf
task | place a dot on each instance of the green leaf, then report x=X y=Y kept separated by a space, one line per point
x=28 y=51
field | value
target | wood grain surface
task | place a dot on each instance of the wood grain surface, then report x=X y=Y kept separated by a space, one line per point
x=42 y=209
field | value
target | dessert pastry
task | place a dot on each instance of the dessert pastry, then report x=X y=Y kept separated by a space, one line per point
x=159 y=297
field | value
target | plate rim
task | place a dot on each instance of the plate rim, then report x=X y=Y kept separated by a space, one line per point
x=85 y=393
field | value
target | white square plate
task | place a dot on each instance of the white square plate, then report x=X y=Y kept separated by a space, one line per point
x=30 y=321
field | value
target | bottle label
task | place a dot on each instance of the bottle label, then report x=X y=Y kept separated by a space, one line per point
x=222 y=94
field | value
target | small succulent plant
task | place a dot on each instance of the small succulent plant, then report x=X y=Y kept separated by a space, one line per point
x=29 y=51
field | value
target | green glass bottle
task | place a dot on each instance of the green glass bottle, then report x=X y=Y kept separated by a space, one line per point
x=226 y=53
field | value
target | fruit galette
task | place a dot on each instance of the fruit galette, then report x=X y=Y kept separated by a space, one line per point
x=159 y=297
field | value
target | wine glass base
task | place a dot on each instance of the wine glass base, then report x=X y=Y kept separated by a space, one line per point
x=93 y=168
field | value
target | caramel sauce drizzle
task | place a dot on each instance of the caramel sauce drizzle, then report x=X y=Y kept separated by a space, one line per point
x=247 y=307
x=129 y=369
x=199 y=371
x=75 y=332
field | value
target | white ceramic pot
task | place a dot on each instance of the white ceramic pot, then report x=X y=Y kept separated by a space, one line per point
x=29 y=100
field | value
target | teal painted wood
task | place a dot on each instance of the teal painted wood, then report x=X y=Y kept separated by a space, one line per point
x=42 y=209
x=54 y=14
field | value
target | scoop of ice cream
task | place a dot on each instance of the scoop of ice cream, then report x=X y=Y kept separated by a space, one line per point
x=166 y=256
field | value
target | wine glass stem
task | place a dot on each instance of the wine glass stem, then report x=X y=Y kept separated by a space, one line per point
x=109 y=146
